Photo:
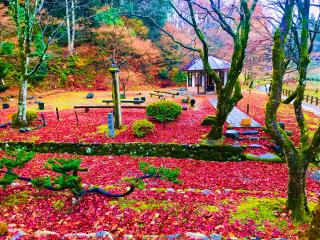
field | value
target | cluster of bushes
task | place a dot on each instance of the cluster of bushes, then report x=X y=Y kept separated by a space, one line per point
x=164 y=111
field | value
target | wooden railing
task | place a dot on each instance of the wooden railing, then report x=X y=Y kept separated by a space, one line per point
x=309 y=99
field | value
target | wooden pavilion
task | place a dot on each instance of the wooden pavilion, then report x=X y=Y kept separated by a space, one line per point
x=198 y=81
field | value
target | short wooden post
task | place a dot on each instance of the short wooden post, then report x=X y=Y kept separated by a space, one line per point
x=317 y=101
x=114 y=70
x=57 y=112
x=77 y=119
x=307 y=98
x=43 y=119
x=311 y=99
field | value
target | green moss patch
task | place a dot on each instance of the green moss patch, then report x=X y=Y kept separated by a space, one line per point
x=260 y=210
x=268 y=157
x=211 y=208
x=208 y=120
x=135 y=205
x=104 y=129
x=16 y=199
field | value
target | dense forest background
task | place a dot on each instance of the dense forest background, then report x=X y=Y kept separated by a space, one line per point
x=94 y=33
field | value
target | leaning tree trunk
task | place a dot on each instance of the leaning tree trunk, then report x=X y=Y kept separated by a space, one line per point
x=230 y=94
x=227 y=99
x=314 y=230
x=22 y=102
x=219 y=120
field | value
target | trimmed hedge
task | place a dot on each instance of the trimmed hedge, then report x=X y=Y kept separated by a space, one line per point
x=197 y=151
x=141 y=128
x=164 y=111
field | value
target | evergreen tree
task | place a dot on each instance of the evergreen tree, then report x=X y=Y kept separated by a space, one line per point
x=154 y=13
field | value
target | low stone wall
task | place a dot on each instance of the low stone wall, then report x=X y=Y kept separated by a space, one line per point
x=193 y=151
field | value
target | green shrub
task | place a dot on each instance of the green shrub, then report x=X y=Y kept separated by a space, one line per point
x=164 y=111
x=178 y=76
x=142 y=127
x=6 y=48
x=208 y=120
x=163 y=74
x=3 y=88
x=31 y=116
x=109 y=17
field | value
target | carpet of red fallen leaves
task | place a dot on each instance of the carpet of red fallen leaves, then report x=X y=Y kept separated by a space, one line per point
x=286 y=113
x=185 y=129
x=176 y=212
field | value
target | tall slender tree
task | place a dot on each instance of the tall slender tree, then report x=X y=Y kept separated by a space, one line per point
x=73 y=12
x=298 y=158
x=32 y=45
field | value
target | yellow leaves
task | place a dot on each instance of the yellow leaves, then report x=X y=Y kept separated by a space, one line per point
x=81 y=63
x=3 y=228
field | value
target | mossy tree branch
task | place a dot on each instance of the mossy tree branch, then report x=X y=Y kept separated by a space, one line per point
x=299 y=158
x=230 y=94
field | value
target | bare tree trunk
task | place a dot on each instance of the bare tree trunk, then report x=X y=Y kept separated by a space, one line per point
x=22 y=102
x=73 y=26
x=314 y=230
x=68 y=26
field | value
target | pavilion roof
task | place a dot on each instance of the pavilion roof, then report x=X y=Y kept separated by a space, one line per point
x=215 y=64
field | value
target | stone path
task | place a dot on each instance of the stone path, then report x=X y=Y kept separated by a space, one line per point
x=236 y=116
x=307 y=106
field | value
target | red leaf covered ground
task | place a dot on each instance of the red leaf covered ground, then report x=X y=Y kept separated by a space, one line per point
x=186 y=129
x=286 y=114
x=155 y=211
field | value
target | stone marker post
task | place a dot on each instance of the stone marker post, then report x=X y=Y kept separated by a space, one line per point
x=110 y=125
x=114 y=70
